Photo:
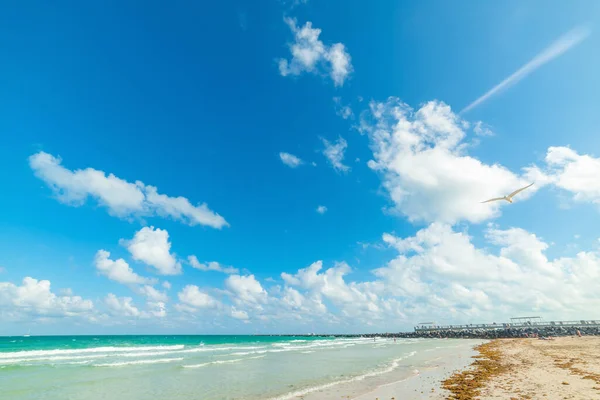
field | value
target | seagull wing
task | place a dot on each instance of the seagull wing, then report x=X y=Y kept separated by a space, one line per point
x=494 y=199
x=518 y=190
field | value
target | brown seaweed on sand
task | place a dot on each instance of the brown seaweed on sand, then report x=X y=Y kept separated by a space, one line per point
x=466 y=385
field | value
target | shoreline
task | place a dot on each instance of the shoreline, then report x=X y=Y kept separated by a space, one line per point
x=421 y=379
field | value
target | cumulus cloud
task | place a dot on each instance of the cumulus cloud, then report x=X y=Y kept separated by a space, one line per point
x=157 y=309
x=356 y=300
x=334 y=152
x=310 y=54
x=153 y=295
x=120 y=197
x=246 y=289
x=34 y=298
x=441 y=273
x=239 y=314
x=121 y=306
x=192 y=297
x=211 y=266
x=118 y=270
x=425 y=168
x=321 y=210
x=575 y=173
x=152 y=247
x=290 y=160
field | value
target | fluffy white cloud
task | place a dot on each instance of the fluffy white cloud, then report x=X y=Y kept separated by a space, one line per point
x=118 y=270
x=239 y=314
x=290 y=160
x=152 y=247
x=321 y=209
x=310 y=54
x=246 y=289
x=575 y=173
x=34 y=298
x=424 y=166
x=121 y=306
x=440 y=273
x=191 y=296
x=157 y=309
x=211 y=266
x=166 y=285
x=335 y=153
x=153 y=295
x=122 y=198
x=357 y=300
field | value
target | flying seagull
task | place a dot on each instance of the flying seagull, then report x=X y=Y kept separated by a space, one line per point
x=509 y=197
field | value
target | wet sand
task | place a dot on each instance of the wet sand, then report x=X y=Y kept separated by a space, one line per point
x=421 y=381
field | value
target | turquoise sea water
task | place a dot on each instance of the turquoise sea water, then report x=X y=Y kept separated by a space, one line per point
x=197 y=367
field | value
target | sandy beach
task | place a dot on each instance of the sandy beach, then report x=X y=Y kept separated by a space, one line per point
x=563 y=368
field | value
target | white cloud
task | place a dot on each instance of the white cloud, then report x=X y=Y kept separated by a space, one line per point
x=335 y=153
x=246 y=289
x=121 y=306
x=239 y=314
x=290 y=160
x=575 y=173
x=482 y=129
x=441 y=274
x=424 y=166
x=321 y=209
x=357 y=300
x=557 y=48
x=192 y=296
x=343 y=111
x=211 y=266
x=166 y=285
x=309 y=54
x=157 y=309
x=122 y=198
x=152 y=247
x=117 y=270
x=153 y=295
x=34 y=298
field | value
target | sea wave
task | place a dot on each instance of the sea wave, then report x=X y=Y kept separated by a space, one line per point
x=140 y=362
x=106 y=349
x=221 y=362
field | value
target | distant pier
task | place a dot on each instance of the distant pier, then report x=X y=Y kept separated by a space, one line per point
x=517 y=327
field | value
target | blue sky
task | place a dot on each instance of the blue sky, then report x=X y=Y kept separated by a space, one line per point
x=193 y=99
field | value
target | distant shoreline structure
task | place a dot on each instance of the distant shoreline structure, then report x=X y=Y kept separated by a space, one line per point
x=518 y=327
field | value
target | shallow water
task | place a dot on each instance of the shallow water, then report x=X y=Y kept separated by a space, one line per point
x=197 y=367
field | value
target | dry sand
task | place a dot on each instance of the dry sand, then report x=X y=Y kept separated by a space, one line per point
x=563 y=368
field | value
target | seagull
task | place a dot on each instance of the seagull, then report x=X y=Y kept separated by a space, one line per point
x=509 y=197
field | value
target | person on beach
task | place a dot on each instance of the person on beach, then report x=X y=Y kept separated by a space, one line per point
x=578 y=333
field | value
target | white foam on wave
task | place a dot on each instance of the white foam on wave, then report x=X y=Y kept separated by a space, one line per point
x=57 y=355
x=393 y=365
x=106 y=349
x=236 y=360
x=140 y=362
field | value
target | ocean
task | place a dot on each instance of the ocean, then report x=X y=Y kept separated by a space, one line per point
x=203 y=367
